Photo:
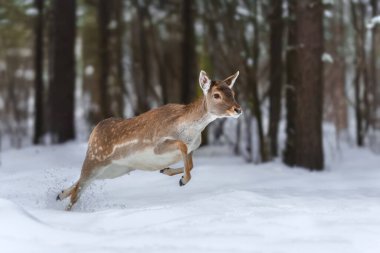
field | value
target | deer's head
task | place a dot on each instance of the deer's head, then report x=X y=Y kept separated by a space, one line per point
x=219 y=95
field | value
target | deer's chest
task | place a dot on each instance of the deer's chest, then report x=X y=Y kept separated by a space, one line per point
x=191 y=137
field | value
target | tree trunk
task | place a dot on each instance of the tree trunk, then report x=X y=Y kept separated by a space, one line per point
x=360 y=79
x=291 y=78
x=120 y=90
x=114 y=54
x=275 y=93
x=90 y=59
x=104 y=13
x=309 y=85
x=38 y=70
x=188 y=53
x=339 y=94
x=62 y=83
x=374 y=72
x=255 y=92
x=143 y=71
x=335 y=72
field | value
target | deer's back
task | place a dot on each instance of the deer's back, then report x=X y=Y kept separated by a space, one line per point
x=115 y=138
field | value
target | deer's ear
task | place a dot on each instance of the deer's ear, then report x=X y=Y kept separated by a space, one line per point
x=230 y=81
x=204 y=81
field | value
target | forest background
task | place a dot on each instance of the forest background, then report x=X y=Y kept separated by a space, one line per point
x=66 y=65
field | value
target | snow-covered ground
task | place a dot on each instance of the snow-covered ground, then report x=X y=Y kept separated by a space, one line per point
x=228 y=206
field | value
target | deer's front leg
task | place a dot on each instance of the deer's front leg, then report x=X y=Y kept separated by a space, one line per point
x=171 y=145
x=185 y=179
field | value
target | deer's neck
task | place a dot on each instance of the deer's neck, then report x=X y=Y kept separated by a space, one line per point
x=197 y=114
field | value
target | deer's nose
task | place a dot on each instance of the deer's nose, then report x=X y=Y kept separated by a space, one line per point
x=237 y=110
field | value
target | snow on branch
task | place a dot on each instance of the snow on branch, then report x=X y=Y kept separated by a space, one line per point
x=326 y=57
x=375 y=20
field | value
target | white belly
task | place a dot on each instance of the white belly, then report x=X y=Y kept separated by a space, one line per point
x=148 y=160
x=113 y=171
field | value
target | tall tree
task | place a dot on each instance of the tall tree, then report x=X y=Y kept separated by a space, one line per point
x=374 y=70
x=111 y=81
x=141 y=68
x=361 y=79
x=62 y=83
x=308 y=88
x=90 y=58
x=335 y=70
x=189 y=71
x=119 y=91
x=289 y=151
x=104 y=17
x=309 y=85
x=341 y=120
x=275 y=92
x=255 y=86
x=38 y=70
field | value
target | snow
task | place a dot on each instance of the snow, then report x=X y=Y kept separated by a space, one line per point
x=228 y=206
x=31 y=12
x=89 y=70
x=375 y=20
x=243 y=11
x=326 y=57
x=326 y=2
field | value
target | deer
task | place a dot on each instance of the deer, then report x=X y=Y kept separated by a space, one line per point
x=156 y=139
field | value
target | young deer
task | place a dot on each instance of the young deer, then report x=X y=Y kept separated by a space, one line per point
x=156 y=139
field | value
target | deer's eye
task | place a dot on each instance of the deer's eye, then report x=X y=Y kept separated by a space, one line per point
x=216 y=96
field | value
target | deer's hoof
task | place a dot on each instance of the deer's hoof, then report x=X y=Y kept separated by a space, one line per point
x=59 y=197
x=68 y=208
x=181 y=182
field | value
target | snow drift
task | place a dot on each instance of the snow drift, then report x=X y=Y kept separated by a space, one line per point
x=229 y=206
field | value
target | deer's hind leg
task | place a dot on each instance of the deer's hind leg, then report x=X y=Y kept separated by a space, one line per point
x=79 y=187
x=88 y=174
x=74 y=192
x=171 y=171
x=65 y=193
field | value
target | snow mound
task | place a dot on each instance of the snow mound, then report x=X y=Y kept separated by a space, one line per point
x=16 y=216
